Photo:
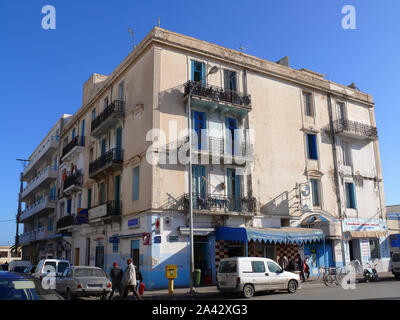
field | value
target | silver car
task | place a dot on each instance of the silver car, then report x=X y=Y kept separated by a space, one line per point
x=82 y=281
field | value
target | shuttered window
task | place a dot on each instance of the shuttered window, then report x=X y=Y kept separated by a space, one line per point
x=312 y=146
x=135 y=183
x=350 y=196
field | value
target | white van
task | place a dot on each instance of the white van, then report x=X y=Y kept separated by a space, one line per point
x=45 y=266
x=395 y=262
x=247 y=275
x=18 y=265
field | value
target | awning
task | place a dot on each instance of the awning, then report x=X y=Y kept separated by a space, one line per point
x=271 y=235
x=365 y=234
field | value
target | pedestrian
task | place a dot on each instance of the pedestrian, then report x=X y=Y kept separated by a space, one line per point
x=139 y=278
x=306 y=269
x=291 y=266
x=116 y=275
x=284 y=262
x=130 y=280
x=299 y=266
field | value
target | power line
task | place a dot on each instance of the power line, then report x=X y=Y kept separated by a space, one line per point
x=7 y=220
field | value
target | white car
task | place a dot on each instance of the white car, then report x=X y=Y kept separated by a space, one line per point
x=248 y=275
x=53 y=266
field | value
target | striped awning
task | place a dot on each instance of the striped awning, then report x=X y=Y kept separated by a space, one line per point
x=271 y=235
x=365 y=234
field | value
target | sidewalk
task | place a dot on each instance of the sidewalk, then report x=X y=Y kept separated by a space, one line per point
x=212 y=293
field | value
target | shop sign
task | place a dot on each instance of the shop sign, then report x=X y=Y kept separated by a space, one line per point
x=134 y=223
x=354 y=224
x=114 y=239
x=364 y=246
x=97 y=212
x=146 y=238
x=395 y=240
x=173 y=238
x=157 y=239
x=393 y=216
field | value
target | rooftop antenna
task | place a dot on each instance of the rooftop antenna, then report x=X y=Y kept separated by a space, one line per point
x=158 y=22
x=133 y=37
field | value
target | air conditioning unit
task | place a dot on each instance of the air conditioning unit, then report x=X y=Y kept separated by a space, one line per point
x=305 y=197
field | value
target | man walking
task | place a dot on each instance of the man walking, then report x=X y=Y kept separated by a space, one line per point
x=116 y=280
x=130 y=280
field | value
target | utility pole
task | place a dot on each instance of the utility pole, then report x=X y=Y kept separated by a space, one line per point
x=21 y=188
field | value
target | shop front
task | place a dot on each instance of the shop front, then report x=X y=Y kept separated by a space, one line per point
x=366 y=241
x=272 y=243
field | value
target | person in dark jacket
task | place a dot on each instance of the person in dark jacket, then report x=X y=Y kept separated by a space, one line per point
x=300 y=267
x=116 y=275
x=139 y=278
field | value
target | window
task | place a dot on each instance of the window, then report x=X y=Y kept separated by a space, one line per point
x=62 y=266
x=102 y=194
x=105 y=103
x=227 y=267
x=135 y=183
x=121 y=91
x=69 y=206
x=374 y=248
x=315 y=192
x=93 y=114
x=341 y=111
x=198 y=71
x=273 y=267
x=91 y=155
x=230 y=82
x=350 y=196
x=312 y=146
x=89 y=198
x=308 y=107
x=346 y=153
x=79 y=201
x=73 y=133
x=115 y=247
x=50 y=222
x=258 y=266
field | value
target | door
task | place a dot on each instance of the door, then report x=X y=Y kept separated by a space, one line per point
x=99 y=259
x=201 y=255
x=231 y=137
x=199 y=124
x=117 y=191
x=77 y=253
x=82 y=142
x=135 y=256
x=103 y=146
x=233 y=190
x=118 y=138
x=276 y=278
x=259 y=276
x=199 y=186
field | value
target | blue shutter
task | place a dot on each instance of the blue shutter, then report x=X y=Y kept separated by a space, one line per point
x=314 y=146
x=352 y=196
x=82 y=142
x=203 y=74
x=192 y=70
x=73 y=133
x=135 y=183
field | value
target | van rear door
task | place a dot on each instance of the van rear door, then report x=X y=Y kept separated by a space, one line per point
x=227 y=274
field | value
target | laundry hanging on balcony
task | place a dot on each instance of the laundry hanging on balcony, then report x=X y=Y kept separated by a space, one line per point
x=271 y=235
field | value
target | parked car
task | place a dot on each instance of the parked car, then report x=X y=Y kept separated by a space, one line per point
x=248 y=275
x=395 y=262
x=46 y=266
x=83 y=281
x=15 y=286
x=4 y=267
x=18 y=265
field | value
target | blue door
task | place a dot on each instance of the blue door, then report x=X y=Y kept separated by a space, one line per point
x=199 y=186
x=118 y=138
x=233 y=190
x=198 y=71
x=199 y=124
x=231 y=135
x=82 y=142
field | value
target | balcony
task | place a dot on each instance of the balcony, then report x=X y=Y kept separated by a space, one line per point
x=43 y=205
x=76 y=145
x=27 y=237
x=110 y=209
x=44 y=153
x=112 y=115
x=43 y=179
x=72 y=183
x=66 y=221
x=218 y=98
x=356 y=130
x=110 y=161
x=220 y=204
x=41 y=234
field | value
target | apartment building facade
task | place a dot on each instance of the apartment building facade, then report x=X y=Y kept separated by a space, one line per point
x=283 y=162
x=39 y=238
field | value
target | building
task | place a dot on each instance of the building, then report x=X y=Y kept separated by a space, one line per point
x=393 y=224
x=39 y=239
x=7 y=254
x=284 y=162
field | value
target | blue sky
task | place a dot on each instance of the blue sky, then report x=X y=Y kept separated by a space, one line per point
x=42 y=71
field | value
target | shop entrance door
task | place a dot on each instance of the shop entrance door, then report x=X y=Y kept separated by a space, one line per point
x=99 y=257
x=201 y=256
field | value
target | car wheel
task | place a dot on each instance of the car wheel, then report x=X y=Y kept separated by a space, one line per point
x=292 y=286
x=103 y=297
x=70 y=296
x=248 y=291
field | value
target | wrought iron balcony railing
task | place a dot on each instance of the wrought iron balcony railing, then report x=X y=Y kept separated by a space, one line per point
x=356 y=128
x=73 y=179
x=112 y=156
x=117 y=107
x=220 y=203
x=66 y=221
x=218 y=94
x=77 y=141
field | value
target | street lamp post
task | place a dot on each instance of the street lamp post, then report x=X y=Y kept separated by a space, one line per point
x=214 y=69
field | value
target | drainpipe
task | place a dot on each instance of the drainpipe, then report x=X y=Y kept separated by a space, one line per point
x=336 y=173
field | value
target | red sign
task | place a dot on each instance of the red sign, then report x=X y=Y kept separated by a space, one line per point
x=146 y=238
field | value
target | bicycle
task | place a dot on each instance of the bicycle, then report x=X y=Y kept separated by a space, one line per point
x=332 y=275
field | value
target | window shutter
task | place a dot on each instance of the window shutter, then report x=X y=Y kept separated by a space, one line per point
x=136 y=182
x=192 y=70
x=353 y=196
